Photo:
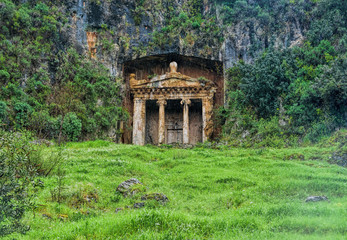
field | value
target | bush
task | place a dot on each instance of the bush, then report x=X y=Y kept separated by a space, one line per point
x=72 y=126
x=19 y=169
x=22 y=113
x=3 y=112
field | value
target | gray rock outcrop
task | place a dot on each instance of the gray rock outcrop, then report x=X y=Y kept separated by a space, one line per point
x=127 y=187
x=316 y=198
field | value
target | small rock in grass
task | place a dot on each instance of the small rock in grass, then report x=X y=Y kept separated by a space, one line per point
x=156 y=196
x=126 y=187
x=46 y=216
x=139 y=205
x=118 y=210
x=316 y=199
x=63 y=217
x=42 y=142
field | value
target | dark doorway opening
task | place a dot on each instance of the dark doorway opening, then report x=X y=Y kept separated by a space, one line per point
x=195 y=121
x=152 y=126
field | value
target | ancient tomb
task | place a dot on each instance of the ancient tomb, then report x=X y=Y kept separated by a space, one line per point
x=172 y=107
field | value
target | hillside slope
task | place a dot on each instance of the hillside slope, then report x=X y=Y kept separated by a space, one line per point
x=213 y=194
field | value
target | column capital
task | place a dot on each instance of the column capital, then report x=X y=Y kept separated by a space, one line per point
x=161 y=102
x=186 y=101
x=138 y=100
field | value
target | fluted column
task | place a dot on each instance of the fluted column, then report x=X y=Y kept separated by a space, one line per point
x=139 y=121
x=185 y=103
x=161 y=134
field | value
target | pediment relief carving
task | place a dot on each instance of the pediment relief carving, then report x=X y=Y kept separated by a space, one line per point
x=172 y=79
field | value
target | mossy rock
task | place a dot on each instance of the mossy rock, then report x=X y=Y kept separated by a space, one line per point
x=130 y=187
x=155 y=196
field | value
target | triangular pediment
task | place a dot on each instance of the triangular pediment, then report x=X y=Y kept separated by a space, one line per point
x=171 y=80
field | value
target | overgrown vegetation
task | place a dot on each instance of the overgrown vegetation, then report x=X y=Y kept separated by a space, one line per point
x=187 y=24
x=22 y=166
x=49 y=88
x=290 y=95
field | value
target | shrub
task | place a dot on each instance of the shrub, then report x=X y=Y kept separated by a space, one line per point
x=72 y=126
x=39 y=121
x=3 y=111
x=22 y=113
x=19 y=168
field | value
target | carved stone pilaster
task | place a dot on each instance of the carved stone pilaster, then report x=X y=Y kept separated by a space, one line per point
x=139 y=121
x=185 y=103
x=207 y=111
x=161 y=133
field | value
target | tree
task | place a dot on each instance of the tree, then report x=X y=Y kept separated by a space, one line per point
x=19 y=169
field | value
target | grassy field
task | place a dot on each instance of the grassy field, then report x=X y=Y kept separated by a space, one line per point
x=214 y=194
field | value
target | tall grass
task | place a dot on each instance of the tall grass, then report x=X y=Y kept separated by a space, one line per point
x=214 y=194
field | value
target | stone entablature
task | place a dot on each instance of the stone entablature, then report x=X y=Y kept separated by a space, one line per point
x=171 y=86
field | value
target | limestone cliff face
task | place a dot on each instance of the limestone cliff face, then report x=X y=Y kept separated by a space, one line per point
x=115 y=31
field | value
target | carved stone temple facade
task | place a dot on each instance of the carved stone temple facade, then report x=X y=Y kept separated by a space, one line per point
x=172 y=107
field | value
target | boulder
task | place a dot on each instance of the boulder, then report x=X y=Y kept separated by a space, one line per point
x=316 y=199
x=156 y=196
x=127 y=187
x=118 y=210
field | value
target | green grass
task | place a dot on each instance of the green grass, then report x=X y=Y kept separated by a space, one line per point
x=214 y=194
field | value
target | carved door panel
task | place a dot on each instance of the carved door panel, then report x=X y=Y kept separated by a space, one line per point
x=174 y=136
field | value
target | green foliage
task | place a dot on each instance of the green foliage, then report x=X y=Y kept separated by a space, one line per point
x=42 y=81
x=19 y=169
x=329 y=21
x=303 y=88
x=190 y=24
x=3 y=112
x=266 y=80
x=72 y=126
x=331 y=86
x=22 y=113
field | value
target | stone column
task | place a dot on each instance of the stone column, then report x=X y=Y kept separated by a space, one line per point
x=207 y=123
x=139 y=121
x=161 y=135
x=185 y=103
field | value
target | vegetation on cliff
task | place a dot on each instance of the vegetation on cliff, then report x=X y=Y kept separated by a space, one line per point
x=46 y=88
x=288 y=94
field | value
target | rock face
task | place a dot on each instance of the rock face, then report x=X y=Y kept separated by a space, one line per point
x=127 y=187
x=316 y=199
x=116 y=31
